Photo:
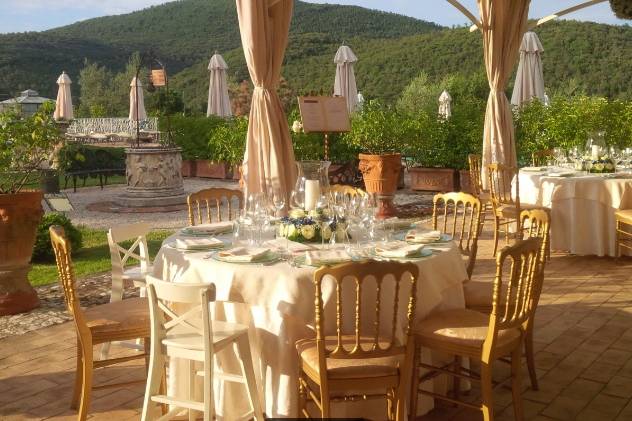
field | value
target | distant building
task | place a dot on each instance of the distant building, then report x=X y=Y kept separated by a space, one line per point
x=27 y=103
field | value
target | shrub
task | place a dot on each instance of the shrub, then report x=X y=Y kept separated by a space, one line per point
x=228 y=140
x=43 y=251
x=192 y=134
x=77 y=157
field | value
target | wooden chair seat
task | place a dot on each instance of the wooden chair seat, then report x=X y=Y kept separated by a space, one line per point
x=347 y=368
x=511 y=211
x=465 y=330
x=223 y=333
x=624 y=216
x=127 y=319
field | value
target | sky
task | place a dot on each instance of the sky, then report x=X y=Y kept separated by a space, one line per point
x=37 y=15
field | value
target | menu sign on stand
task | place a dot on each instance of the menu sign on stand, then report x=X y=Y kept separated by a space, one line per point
x=324 y=114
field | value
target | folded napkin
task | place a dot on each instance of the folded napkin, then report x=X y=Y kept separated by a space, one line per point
x=209 y=229
x=326 y=257
x=293 y=246
x=243 y=254
x=398 y=249
x=198 y=243
x=423 y=237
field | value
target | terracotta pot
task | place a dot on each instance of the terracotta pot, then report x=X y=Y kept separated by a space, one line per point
x=20 y=214
x=433 y=179
x=465 y=182
x=210 y=169
x=236 y=172
x=188 y=168
x=381 y=174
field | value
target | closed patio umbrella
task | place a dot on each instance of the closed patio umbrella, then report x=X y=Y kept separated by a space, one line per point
x=345 y=83
x=136 y=101
x=445 y=107
x=218 y=101
x=529 y=77
x=63 y=106
x=269 y=159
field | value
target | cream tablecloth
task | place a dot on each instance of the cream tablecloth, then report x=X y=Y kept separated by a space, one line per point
x=582 y=209
x=277 y=302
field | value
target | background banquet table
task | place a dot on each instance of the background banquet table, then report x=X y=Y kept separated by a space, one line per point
x=276 y=301
x=582 y=208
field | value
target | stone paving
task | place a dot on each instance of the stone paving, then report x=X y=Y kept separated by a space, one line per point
x=583 y=347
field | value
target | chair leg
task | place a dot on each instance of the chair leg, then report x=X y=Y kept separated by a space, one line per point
x=496 y=233
x=414 y=385
x=191 y=394
x=116 y=294
x=86 y=389
x=245 y=357
x=456 y=380
x=76 y=393
x=528 y=350
x=155 y=381
x=302 y=395
x=487 y=391
x=516 y=383
x=617 y=247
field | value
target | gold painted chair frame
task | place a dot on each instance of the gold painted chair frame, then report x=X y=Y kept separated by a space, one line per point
x=623 y=235
x=463 y=213
x=349 y=192
x=87 y=336
x=514 y=310
x=203 y=202
x=316 y=385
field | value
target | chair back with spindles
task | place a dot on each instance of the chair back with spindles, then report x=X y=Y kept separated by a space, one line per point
x=65 y=269
x=543 y=157
x=500 y=177
x=518 y=267
x=207 y=202
x=371 y=343
x=476 y=179
x=462 y=218
x=536 y=223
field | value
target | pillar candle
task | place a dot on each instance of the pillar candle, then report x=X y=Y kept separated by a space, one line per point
x=595 y=152
x=312 y=194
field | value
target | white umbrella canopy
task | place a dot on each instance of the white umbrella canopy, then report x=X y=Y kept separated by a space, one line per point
x=529 y=77
x=63 y=106
x=218 y=100
x=137 y=89
x=445 y=105
x=345 y=83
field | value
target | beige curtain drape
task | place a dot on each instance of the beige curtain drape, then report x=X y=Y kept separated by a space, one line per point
x=269 y=158
x=503 y=24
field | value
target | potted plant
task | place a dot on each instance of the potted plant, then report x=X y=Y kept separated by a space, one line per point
x=228 y=143
x=25 y=144
x=379 y=133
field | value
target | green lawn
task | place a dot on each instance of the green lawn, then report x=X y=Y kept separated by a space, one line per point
x=93 y=257
x=90 y=181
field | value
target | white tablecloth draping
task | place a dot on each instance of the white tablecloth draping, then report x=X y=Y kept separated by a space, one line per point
x=277 y=302
x=582 y=209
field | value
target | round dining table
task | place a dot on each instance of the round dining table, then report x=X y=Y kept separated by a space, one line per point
x=582 y=206
x=276 y=301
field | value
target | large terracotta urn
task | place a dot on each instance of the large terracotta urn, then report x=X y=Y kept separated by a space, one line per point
x=380 y=174
x=20 y=214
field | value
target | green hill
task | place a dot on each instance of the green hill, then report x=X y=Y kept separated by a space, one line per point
x=392 y=49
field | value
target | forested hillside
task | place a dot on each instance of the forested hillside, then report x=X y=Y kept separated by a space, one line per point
x=392 y=50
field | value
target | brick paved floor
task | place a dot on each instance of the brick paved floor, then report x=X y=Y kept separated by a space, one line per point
x=583 y=343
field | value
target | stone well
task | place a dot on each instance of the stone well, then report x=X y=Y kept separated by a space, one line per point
x=154 y=177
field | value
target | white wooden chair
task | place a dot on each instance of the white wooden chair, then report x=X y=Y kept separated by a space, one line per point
x=192 y=335
x=119 y=255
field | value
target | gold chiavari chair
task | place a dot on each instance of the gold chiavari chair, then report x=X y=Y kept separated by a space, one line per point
x=462 y=219
x=476 y=180
x=209 y=199
x=478 y=295
x=624 y=230
x=347 y=367
x=542 y=158
x=485 y=338
x=117 y=321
